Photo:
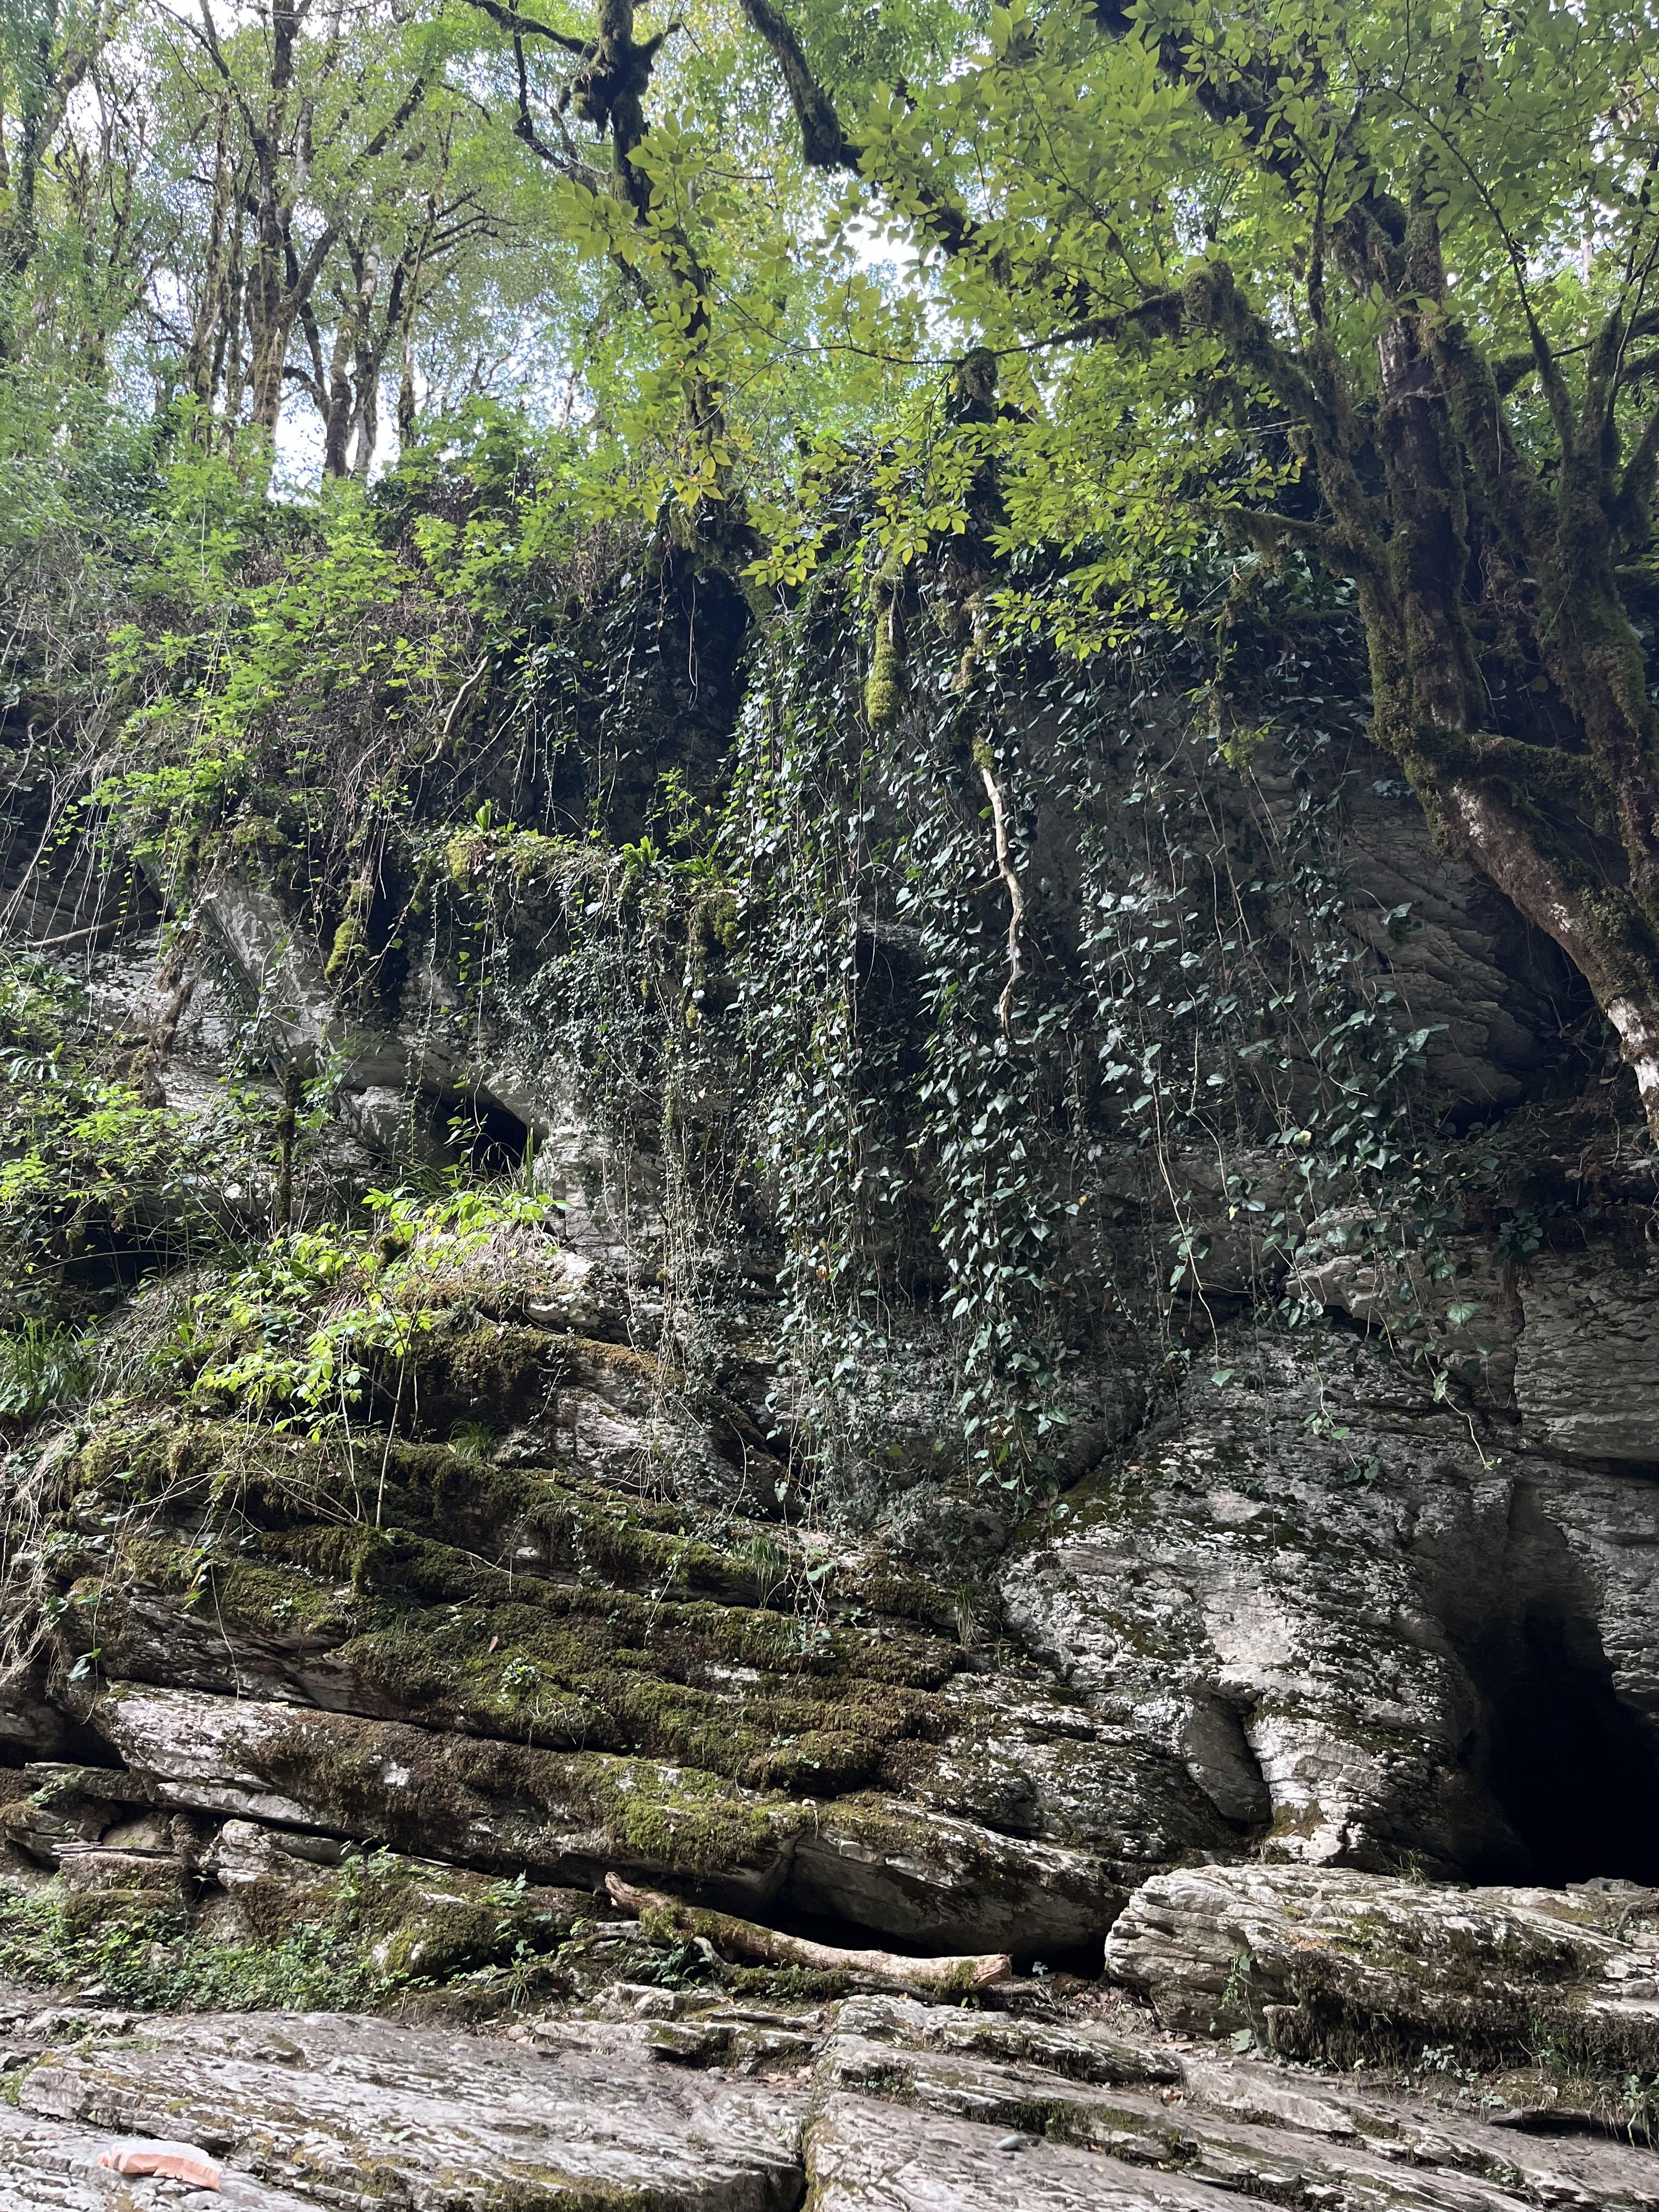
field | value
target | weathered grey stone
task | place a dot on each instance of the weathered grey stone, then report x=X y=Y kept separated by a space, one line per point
x=31 y=1726
x=616 y=1416
x=1074 y=2051
x=1361 y=1624
x=46 y=2166
x=1284 y=2161
x=863 y=2155
x=1024 y=1756
x=1587 y=1373
x=1462 y=2137
x=946 y=1883
x=1469 y=1318
x=126 y=994
x=280 y=965
x=354 y=2111
x=1237 y=1596
x=562 y=1818
x=63 y=1805
x=876 y=2104
x=1288 y=2134
x=1608 y=1525
x=243 y=1851
x=1335 y=1964
x=1467 y=968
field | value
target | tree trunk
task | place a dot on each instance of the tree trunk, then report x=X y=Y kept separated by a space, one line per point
x=338 y=407
x=1600 y=931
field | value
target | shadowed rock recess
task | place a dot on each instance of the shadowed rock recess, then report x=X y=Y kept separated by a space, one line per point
x=1296 y=1734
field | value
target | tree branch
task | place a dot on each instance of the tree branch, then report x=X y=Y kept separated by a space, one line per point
x=1159 y=310
x=747 y=1939
x=1631 y=510
x=511 y=20
x=824 y=142
x=825 y=145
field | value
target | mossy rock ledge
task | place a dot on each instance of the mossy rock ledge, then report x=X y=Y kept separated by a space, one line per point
x=565 y=1817
x=478 y=1657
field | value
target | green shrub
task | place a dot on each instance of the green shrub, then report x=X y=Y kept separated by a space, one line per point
x=42 y=1367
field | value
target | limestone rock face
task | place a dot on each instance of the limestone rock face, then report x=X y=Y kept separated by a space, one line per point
x=1308 y=1632
x=1587 y=1376
x=1366 y=1629
x=1467 y=967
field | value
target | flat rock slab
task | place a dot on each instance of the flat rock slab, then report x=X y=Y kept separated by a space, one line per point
x=48 y=2166
x=1257 y=2131
x=863 y=2155
x=355 y=2112
x=1577 y=2170
x=1075 y=2051
x=879 y=2104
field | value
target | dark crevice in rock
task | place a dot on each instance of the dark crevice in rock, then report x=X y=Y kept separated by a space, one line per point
x=1571 y=1767
x=1217 y=1755
x=493 y=1139
x=1563 y=1776
x=1564 y=2120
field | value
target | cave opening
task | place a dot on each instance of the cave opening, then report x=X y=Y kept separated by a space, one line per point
x=1572 y=1769
x=489 y=1136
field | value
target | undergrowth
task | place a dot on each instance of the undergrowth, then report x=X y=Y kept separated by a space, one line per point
x=155 y=1963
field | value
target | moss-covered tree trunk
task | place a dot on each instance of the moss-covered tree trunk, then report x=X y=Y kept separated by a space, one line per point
x=1467 y=560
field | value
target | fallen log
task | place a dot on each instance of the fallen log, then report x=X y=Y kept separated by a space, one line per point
x=671 y=1919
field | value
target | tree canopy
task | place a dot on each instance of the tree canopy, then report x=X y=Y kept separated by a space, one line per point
x=1143 y=310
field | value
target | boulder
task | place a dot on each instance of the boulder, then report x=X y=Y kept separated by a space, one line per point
x=1332 y=1964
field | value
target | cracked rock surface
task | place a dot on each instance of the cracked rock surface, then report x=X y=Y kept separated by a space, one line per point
x=664 y=2099
x=1370 y=1631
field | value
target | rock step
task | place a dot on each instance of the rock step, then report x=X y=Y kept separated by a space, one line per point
x=876 y=2104
x=1327 y=1964
x=873 y=1861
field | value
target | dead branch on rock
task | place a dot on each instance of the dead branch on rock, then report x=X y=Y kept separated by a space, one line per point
x=671 y=1917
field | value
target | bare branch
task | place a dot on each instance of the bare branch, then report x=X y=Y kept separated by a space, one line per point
x=511 y=20
x=747 y=1939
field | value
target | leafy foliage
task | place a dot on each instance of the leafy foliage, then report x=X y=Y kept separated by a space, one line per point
x=41 y=1369
x=884 y=724
x=298 y=1334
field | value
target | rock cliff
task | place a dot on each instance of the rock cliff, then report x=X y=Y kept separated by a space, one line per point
x=312 y=1720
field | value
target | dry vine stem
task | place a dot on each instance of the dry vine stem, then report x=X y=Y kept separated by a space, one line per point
x=748 y=1939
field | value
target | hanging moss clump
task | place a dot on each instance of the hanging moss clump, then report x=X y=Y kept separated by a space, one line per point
x=884 y=688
